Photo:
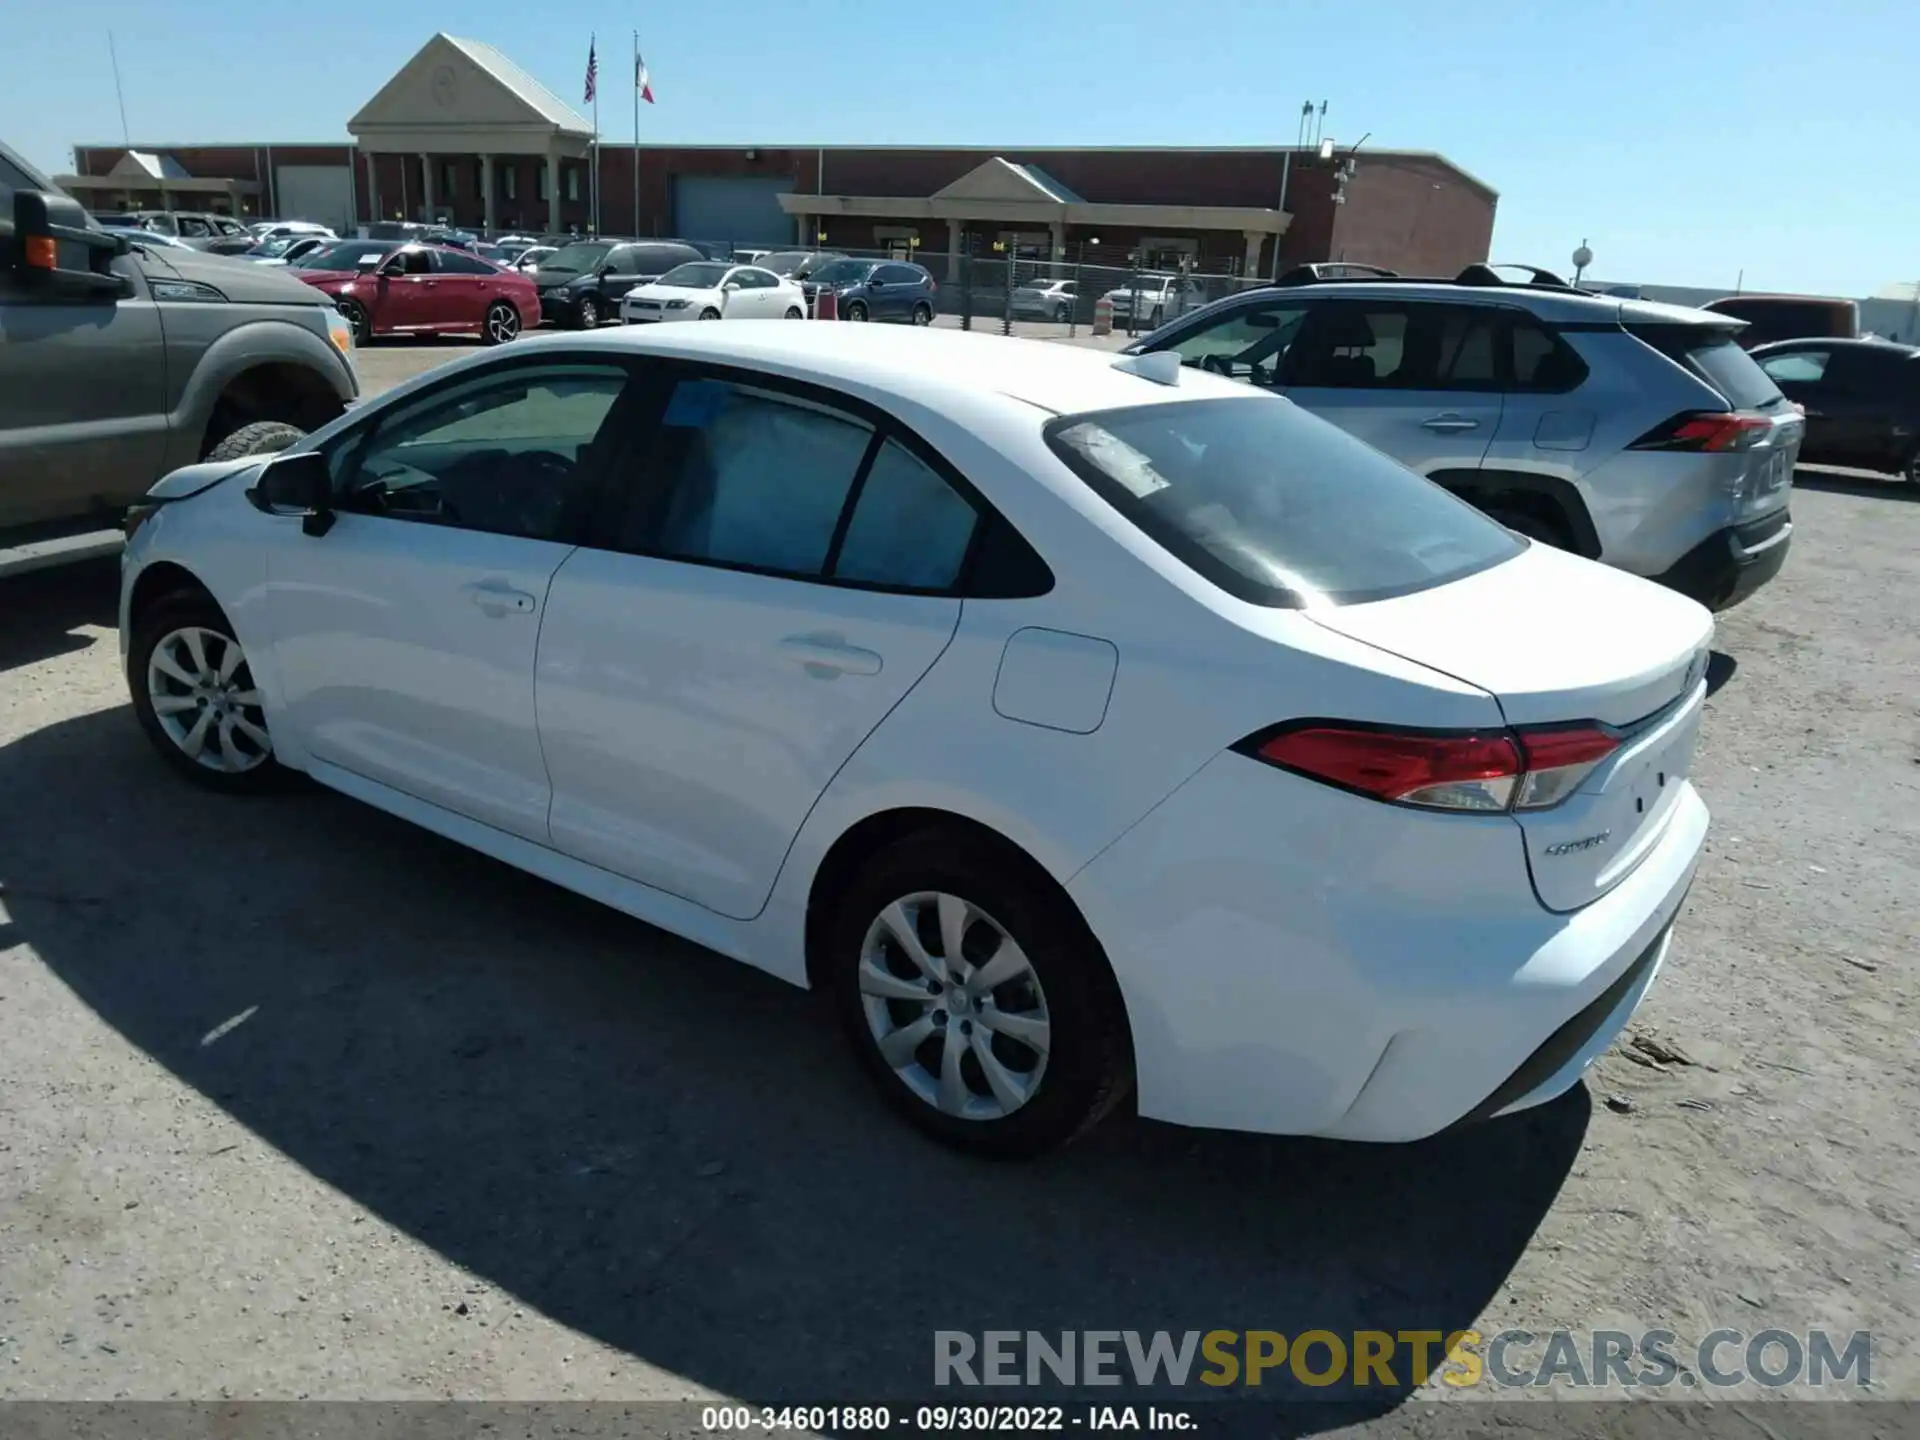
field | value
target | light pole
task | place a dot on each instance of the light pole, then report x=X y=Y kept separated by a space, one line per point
x=1582 y=258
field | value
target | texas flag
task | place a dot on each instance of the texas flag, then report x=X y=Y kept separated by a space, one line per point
x=640 y=78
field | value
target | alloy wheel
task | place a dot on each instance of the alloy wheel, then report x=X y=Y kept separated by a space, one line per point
x=954 y=1006
x=589 y=314
x=204 y=697
x=856 y=311
x=503 y=324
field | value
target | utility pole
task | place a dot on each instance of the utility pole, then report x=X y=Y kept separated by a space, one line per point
x=1286 y=172
x=126 y=136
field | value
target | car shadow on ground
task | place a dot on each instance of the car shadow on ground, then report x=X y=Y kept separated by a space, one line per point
x=40 y=611
x=670 y=1152
x=1863 y=483
x=1721 y=667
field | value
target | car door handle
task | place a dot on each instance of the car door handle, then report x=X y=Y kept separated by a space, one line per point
x=496 y=599
x=1449 y=424
x=826 y=656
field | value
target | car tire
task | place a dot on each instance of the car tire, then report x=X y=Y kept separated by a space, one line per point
x=262 y=437
x=794 y=312
x=1532 y=525
x=923 y=314
x=1060 y=315
x=586 y=315
x=1153 y=318
x=709 y=313
x=501 y=325
x=856 y=310
x=209 y=726
x=1063 y=996
x=358 y=318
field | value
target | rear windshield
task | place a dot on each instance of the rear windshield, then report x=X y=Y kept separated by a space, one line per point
x=1274 y=505
x=1714 y=355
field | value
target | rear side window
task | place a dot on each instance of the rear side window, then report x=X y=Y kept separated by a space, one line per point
x=1543 y=363
x=1275 y=506
x=1363 y=345
x=1711 y=354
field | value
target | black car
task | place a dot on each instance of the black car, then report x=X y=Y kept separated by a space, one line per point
x=581 y=283
x=1862 y=399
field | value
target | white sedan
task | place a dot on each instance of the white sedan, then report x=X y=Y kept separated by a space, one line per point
x=714 y=290
x=1076 y=725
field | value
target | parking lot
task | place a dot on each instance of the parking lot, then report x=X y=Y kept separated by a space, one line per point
x=299 y=1101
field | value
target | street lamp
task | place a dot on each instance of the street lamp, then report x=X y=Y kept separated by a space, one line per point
x=1582 y=258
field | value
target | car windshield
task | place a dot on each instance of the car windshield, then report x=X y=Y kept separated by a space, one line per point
x=785 y=262
x=843 y=272
x=1274 y=505
x=700 y=275
x=578 y=257
x=267 y=249
x=344 y=256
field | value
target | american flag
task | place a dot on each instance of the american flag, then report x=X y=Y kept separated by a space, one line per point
x=593 y=74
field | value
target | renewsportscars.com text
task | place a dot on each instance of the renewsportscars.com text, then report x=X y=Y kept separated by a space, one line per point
x=1399 y=1359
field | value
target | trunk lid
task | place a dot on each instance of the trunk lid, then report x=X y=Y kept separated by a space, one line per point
x=1556 y=640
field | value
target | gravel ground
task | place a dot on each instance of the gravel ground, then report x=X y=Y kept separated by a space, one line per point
x=297 y=1101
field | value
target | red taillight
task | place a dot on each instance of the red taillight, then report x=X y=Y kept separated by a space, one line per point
x=1459 y=770
x=1715 y=430
x=1471 y=771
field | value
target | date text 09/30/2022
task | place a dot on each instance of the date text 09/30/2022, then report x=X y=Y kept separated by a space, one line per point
x=940 y=1419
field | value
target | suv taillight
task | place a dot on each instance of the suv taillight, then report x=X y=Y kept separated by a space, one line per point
x=1475 y=770
x=1716 y=430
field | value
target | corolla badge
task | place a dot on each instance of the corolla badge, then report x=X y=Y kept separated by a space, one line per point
x=1574 y=847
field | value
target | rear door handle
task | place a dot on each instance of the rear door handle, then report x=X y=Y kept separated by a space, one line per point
x=1449 y=424
x=826 y=656
x=497 y=599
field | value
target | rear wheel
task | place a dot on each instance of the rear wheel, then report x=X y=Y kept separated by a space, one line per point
x=1060 y=314
x=588 y=313
x=357 y=316
x=794 y=312
x=923 y=314
x=501 y=325
x=1153 y=318
x=975 y=998
x=857 y=310
x=263 y=437
x=195 y=696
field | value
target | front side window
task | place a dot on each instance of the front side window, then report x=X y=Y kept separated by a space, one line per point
x=1802 y=366
x=1363 y=344
x=1275 y=506
x=504 y=453
x=751 y=478
x=701 y=275
x=1245 y=344
x=843 y=272
x=455 y=262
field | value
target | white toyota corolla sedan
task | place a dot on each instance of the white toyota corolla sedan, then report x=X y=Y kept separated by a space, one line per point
x=1077 y=725
x=714 y=290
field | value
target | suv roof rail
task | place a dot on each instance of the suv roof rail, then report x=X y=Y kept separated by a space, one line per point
x=1476 y=275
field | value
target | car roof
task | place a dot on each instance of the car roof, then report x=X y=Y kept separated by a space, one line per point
x=932 y=366
x=1549 y=303
x=1821 y=342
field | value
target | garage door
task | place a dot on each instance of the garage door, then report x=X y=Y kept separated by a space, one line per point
x=743 y=210
x=320 y=193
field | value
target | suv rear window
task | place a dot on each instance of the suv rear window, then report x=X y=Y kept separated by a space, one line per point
x=1712 y=354
x=1275 y=506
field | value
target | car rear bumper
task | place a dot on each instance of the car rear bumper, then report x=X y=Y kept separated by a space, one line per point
x=1731 y=564
x=1297 y=960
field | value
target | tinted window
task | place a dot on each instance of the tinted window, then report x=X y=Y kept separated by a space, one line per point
x=701 y=275
x=1543 y=362
x=12 y=178
x=453 y=262
x=658 y=259
x=843 y=272
x=752 y=478
x=909 y=528
x=1275 y=506
x=504 y=453
x=900 y=274
x=415 y=262
x=1345 y=345
x=1803 y=366
x=577 y=257
x=1712 y=354
x=1246 y=344
x=1871 y=370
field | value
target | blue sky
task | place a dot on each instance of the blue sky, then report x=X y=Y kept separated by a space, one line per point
x=1687 y=142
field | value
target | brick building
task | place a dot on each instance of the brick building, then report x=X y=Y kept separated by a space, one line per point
x=462 y=135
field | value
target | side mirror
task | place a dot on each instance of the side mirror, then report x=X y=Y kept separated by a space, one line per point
x=731 y=285
x=297 y=485
x=49 y=228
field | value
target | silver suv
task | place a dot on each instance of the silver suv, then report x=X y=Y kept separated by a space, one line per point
x=1637 y=434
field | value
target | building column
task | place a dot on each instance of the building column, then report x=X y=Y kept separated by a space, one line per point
x=426 y=188
x=1254 y=240
x=486 y=191
x=373 y=186
x=954 y=227
x=553 y=192
x=1058 y=251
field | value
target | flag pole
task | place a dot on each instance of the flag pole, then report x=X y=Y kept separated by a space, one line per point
x=593 y=196
x=636 y=134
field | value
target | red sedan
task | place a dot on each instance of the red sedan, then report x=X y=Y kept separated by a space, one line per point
x=388 y=289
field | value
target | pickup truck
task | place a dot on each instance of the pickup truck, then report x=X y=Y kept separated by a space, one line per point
x=121 y=362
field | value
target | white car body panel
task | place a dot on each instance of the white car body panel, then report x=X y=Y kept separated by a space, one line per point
x=1292 y=957
x=663 y=303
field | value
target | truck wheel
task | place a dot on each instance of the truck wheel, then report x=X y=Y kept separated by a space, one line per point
x=263 y=437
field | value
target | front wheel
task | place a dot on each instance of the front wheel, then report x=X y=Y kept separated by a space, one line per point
x=857 y=310
x=589 y=313
x=1060 y=314
x=923 y=314
x=975 y=998
x=709 y=313
x=501 y=325
x=194 y=695
x=357 y=317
